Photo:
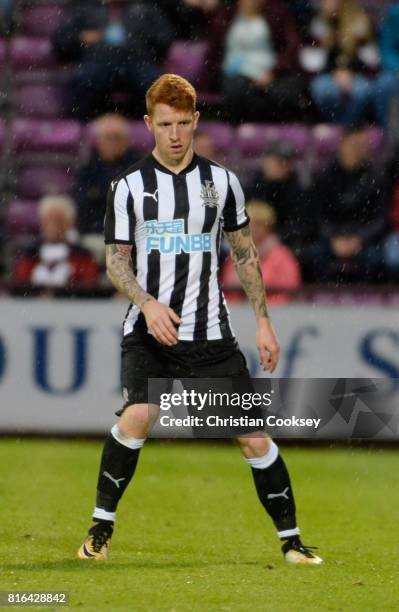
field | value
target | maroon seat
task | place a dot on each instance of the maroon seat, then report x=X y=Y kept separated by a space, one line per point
x=186 y=58
x=63 y=136
x=252 y=138
x=34 y=182
x=141 y=138
x=325 y=139
x=22 y=217
x=39 y=100
x=222 y=134
x=28 y=53
x=41 y=19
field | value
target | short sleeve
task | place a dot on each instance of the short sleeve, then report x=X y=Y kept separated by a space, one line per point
x=234 y=212
x=119 y=212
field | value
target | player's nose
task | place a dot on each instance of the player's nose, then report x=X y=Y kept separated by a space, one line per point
x=173 y=134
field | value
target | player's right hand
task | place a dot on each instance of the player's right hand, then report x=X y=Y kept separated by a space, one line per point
x=161 y=322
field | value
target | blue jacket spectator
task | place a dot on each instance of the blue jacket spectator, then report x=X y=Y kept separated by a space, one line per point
x=387 y=83
x=118 y=45
x=389 y=39
x=6 y=16
x=343 y=33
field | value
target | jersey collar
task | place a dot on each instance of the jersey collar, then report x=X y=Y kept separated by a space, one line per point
x=193 y=163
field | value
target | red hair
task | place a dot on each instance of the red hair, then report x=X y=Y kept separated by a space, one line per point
x=173 y=90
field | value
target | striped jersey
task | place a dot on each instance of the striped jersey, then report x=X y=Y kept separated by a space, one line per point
x=174 y=224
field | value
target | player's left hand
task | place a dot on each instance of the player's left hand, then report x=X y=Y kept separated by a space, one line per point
x=267 y=345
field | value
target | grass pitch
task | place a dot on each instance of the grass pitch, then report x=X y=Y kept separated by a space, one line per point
x=191 y=534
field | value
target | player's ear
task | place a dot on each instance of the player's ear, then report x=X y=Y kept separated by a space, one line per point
x=196 y=119
x=148 y=122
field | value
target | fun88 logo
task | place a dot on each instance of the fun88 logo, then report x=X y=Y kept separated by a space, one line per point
x=169 y=237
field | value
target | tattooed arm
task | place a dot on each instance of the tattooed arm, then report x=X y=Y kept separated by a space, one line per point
x=120 y=273
x=246 y=262
x=161 y=320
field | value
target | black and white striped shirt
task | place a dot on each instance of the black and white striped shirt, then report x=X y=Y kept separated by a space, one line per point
x=174 y=222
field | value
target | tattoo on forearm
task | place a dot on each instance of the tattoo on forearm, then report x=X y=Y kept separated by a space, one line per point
x=120 y=272
x=246 y=262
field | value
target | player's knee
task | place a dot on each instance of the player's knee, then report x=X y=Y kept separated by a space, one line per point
x=254 y=446
x=137 y=420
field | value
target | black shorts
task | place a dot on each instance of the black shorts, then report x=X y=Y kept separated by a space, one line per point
x=144 y=358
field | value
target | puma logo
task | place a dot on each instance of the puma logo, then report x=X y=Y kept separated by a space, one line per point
x=116 y=481
x=282 y=494
x=154 y=195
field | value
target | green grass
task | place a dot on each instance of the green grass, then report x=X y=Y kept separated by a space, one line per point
x=191 y=534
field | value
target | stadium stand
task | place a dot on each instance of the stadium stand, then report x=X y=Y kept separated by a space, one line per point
x=41 y=148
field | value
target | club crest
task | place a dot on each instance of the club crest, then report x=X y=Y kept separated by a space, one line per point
x=209 y=195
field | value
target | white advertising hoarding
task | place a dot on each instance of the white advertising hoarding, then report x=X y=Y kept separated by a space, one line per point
x=59 y=360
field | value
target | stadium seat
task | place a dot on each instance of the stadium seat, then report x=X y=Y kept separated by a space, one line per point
x=252 y=138
x=33 y=182
x=22 y=217
x=28 y=53
x=141 y=138
x=325 y=139
x=187 y=58
x=222 y=134
x=41 y=19
x=62 y=136
x=35 y=100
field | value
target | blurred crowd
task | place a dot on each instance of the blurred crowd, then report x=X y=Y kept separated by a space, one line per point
x=308 y=62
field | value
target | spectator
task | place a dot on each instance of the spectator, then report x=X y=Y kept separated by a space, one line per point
x=391 y=243
x=350 y=196
x=276 y=182
x=280 y=269
x=303 y=11
x=56 y=262
x=6 y=16
x=117 y=45
x=204 y=145
x=190 y=18
x=111 y=156
x=387 y=82
x=344 y=32
x=258 y=60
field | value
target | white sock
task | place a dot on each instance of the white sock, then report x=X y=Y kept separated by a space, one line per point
x=129 y=441
x=103 y=515
x=261 y=463
x=289 y=532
